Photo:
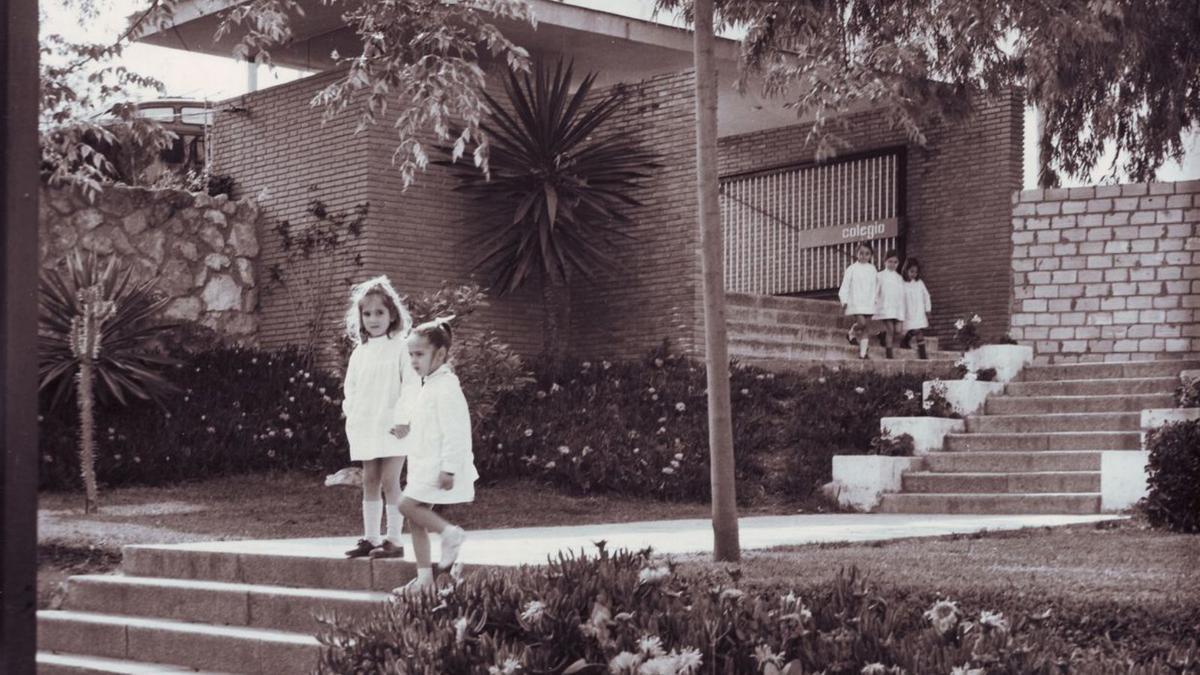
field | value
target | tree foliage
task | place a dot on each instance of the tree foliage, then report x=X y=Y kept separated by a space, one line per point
x=1125 y=72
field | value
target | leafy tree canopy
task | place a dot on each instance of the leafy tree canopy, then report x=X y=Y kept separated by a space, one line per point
x=1125 y=72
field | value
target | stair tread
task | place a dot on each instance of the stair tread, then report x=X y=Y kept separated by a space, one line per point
x=1059 y=414
x=963 y=474
x=228 y=586
x=103 y=664
x=240 y=632
x=997 y=495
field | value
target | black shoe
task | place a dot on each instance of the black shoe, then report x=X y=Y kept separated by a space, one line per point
x=387 y=550
x=890 y=354
x=882 y=339
x=906 y=341
x=921 y=353
x=361 y=550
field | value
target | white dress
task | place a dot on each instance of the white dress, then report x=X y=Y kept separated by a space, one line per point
x=889 y=302
x=858 y=289
x=916 y=305
x=442 y=427
x=381 y=391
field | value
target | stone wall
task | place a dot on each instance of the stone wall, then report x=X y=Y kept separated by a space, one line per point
x=1108 y=273
x=202 y=249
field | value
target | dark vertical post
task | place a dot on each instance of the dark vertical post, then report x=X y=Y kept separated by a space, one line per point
x=18 y=325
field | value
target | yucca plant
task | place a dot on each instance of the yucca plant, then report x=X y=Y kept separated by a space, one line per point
x=558 y=189
x=127 y=368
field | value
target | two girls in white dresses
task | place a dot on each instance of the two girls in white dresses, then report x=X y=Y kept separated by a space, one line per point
x=391 y=416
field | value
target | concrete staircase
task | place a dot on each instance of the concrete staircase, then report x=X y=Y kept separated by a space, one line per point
x=188 y=609
x=783 y=333
x=1037 y=448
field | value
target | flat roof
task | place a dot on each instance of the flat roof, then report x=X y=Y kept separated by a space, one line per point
x=618 y=48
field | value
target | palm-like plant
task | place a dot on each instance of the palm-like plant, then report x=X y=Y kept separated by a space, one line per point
x=558 y=190
x=125 y=368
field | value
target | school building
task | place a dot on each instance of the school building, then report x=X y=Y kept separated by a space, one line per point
x=1105 y=273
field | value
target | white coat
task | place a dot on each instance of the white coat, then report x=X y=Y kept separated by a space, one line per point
x=889 y=300
x=917 y=305
x=381 y=391
x=858 y=289
x=442 y=426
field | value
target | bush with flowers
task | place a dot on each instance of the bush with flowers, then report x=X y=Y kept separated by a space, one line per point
x=966 y=333
x=641 y=427
x=289 y=419
x=626 y=613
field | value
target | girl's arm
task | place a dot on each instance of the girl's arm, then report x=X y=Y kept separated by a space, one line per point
x=844 y=291
x=928 y=301
x=410 y=389
x=455 y=421
x=350 y=386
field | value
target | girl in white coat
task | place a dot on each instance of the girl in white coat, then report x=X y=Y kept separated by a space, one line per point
x=917 y=306
x=889 y=300
x=858 y=296
x=381 y=389
x=441 y=467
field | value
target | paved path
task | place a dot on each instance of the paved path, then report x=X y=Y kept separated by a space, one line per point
x=533 y=545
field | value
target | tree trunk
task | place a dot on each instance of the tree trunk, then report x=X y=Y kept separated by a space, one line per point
x=720 y=427
x=87 y=454
x=556 y=317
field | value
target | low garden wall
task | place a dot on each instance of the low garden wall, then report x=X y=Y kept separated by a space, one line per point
x=1107 y=273
x=202 y=249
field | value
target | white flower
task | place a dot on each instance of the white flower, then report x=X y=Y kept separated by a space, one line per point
x=668 y=470
x=528 y=433
x=586 y=449
x=636 y=450
x=659 y=665
x=554 y=388
x=680 y=406
x=975 y=318
x=745 y=392
x=763 y=655
x=651 y=646
x=605 y=364
x=991 y=619
x=970 y=376
x=874 y=669
x=564 y=450
x=909 y=394
x=586 y=364
x=658 y=363
x=966 y=669
x=943 y=615
x=675 y=463
x=460 y=630
x=624 y=663
x=821 y=380
x=859 y=390
x=541 y=394
x=534 y=611
x=928 y=405
x=651 y=390
x=550 y=464
x=960 y=324
x=509 y=667
x=689 y=661
x=678 y=455
x=653 y=397
x=653 y=575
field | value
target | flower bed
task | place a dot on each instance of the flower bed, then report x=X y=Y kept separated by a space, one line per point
x=626 y=614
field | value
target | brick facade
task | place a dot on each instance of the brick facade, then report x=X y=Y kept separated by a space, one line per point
x=1108 y=273
x=957 y=194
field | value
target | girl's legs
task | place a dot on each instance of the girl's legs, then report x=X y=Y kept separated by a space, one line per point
x=372 y=509
x=889 y=335
x=392 y=495
x=860 y=322
x=420 y=515
x=919 y=339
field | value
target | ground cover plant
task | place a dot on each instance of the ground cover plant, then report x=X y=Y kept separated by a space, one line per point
x=630 y=613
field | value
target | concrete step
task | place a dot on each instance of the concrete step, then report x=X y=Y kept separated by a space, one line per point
x=790 y=349
x=975 y=483
x=214 y=602
x=1099 y=387
x=200 y=646
x=266 y=569
x=1066 y=440
x=814 y=335
x=929 y=368
x=1019 y=462
x=810 y=305
x=990 y=503
x=75 y=664
x=1101 y=421
x=1092 y=371
x=785 y=317
x=1016 y=405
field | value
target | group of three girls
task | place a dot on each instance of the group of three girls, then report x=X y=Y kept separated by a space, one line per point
x=404 y=403
x=897 y=302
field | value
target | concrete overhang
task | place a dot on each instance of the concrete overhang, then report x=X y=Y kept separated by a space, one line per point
x=617 y=48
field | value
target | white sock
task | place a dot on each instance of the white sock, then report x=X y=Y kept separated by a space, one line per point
x=372 y=514
x=424 y=575
x=862 y=346
x=395 y=523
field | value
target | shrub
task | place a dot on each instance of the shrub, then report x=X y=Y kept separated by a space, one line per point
x=641 y=427
x=966 y=333
x=899 y=446
x=217 y=425
x=1188 y=394
x=625 y=613
x=1174 y=498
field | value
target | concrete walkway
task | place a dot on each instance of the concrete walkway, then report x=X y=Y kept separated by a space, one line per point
x=533 y=545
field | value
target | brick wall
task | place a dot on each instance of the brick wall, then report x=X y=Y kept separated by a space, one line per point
x=1108 y=273
x=957 y=191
